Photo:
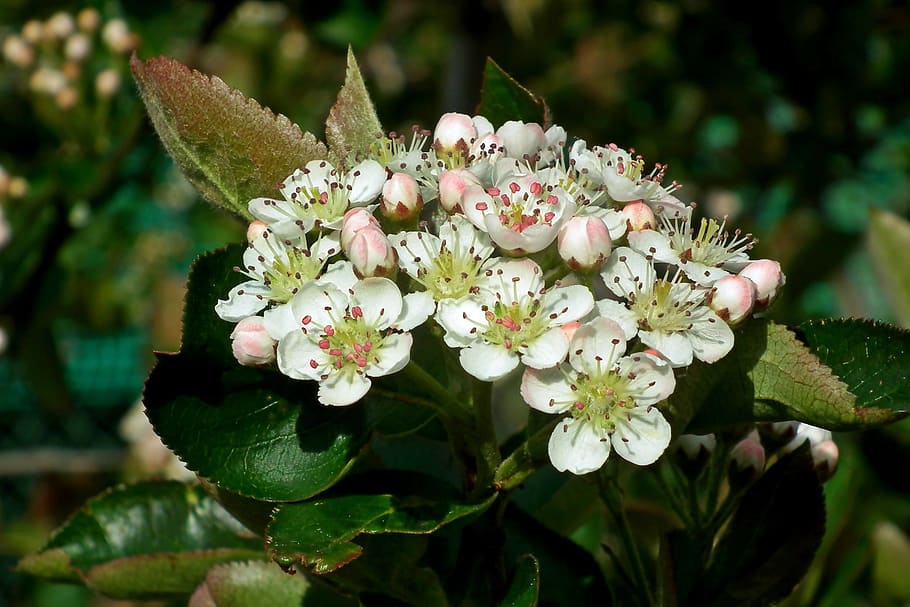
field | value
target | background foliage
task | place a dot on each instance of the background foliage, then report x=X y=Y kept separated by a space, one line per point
x=789 y=117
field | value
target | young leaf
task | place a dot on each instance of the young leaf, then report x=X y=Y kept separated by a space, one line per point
x=253 y=432
x=888 y=239
x=769 y=376
x=154 y=539
x=228 y=146
x=771 y=539
x=249 y=584
x=872 y=358
x=320 y=533
x=525 y=586
x=352 y=124
x=502 y=98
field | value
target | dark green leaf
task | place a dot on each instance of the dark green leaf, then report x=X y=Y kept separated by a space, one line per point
x=771 y=539
x=145 y=540
x=228 y=146
x=502 y=98
x=252 y=431
x=525 y=584
x=352 y=125
x=320 y=533
x=249 y=584
x=872 y=358
x=768 y=376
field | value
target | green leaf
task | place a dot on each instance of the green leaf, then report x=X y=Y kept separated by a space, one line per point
x=770 y=540
x=502 y=98
x=872 y=358
x=254 y=432
x=768 y=376
x=228 y=146
x=154 y=539
x=320 y=533
x=888 y=239
x=525 y=587
x=249 y=584
x=352 y=125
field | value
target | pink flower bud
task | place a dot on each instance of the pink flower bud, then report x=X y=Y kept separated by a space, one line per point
x=354 y=220
x=695 y=446
x=768 y=279
x=748 y=454
x=584 y=243
x=371 y=253
x=255 y=230
x=451 y=187
x=639 y=216
x=733 y=298
x=522 y=140
x=401 y=199
x=824 y=456
x=251 y=343
x=453 y=132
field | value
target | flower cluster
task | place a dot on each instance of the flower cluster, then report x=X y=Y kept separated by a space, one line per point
x=578 y=265
x=60 y=59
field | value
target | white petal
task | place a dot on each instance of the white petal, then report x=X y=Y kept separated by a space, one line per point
x=546 y=390
x=379 y=299
x=270 y=210
x=460 y=318
x=652 y=242
x=246 y=299
x=416 y=309
x=577 y=447
x=414 y=246
x=621 y=315
x=568 y=303
x=514 y=279
x=300 y=358
x=626 y=271
x=547 y=350
x=318 y=304
x=487 y=362
x=476 y=204
x=530 y=240
x=393 y=354
x=675 y=347
x=711 y=338
x=366 y=181
x=597 y=346
x=642 y=436
x=340 y=389
x=280 y=320
x=654 y=380
x=340 y=274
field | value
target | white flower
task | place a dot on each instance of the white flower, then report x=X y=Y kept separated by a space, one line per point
x=512 y=316
x=319 y=195
x=609 y=398
x=398 y=155
x=704 y=257
x=666 y=314
x=276 y=270
x=522 y=214
x=450 y=265
x=344 y=338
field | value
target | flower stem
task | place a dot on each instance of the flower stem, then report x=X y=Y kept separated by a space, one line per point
x=612 y=497
x=446 y=404
x=525 y=460
x=487 y=453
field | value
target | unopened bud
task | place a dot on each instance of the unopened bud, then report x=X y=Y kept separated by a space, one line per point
x=522 y=140
x=59 y=26
x=33 y=31
x=733 y=298
x=47 y=80
x=584 y=243
x=696 y=446
x=107 y=83
x=454 y=132
x=807 y=432
x=401 y=199
x=18 y=52
x=88 y=20
x=67 y=98
x=748 y=455
x=825 y=455
x=77 y=47
x=371 y=253
x=639 y=216
x=768 y=279
x=452 y=185
x=72 y=70
x=251 y=344
x=117 y=36
x=353 y=221
x=255 y=230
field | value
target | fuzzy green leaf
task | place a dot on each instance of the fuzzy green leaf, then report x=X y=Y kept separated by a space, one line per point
x=872 y=358
x=888 y=240
x=525 y=587
x=229 y=147
x=320 y=533
x=154 y=539
x=502 y=98
x=769 y=376
x=352 y=124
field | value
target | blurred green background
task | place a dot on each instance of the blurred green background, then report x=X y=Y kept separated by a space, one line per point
x=793 y=118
